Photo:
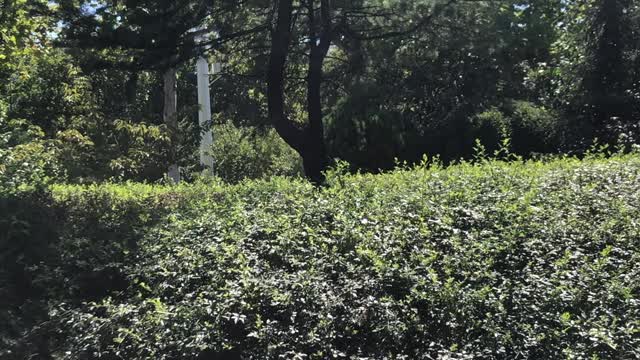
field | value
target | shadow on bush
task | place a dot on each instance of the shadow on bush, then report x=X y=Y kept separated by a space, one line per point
x=58 y=251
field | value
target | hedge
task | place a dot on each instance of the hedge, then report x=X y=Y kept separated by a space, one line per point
x=492 y=260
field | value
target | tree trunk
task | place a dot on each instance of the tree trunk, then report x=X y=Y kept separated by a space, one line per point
x=315 y=156
x=170 y=117
x=307 y=141
x=280 y=39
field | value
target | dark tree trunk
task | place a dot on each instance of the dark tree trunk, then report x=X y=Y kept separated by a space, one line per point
x=308 y=141
x=280 y=39
x=315 y=158
x=170 y=117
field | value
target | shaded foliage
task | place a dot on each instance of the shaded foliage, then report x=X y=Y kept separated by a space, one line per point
x=487 y=259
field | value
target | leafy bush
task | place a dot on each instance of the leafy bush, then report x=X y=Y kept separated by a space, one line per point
x=27 y=234
x=368 y=133
x=531 y=128
x=490 y=127
x=485 y=260
x=534 y=128
x=250 y=153
x=27 y=160
x=49 y=91
x=141 y=151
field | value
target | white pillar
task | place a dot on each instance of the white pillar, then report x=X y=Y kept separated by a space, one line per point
x=204 y=114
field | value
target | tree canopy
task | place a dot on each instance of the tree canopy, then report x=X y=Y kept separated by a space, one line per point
x=370 y=82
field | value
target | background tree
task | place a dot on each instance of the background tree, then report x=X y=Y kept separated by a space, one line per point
x=607 y=82
x=395 y=81
x=139 y=35
x=313 y=36
x=596 y=83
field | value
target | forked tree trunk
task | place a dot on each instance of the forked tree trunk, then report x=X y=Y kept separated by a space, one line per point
x=307 y=140
x=170 y=117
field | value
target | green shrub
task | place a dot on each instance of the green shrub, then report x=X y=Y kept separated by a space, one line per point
x=368 y=133
x=490 y=127
x=489 y=260
x=534 y=128
x=27 y=160
x=140 y=149
x=531 y=128
x=249 y=153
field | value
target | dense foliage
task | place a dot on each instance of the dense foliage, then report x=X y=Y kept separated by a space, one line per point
x=247 y=153
x=401 y=79
x=527 y=246
x=490 y=259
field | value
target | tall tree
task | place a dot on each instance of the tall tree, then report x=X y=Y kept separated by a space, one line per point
x=317 y=25
x=598 y=49
x=606 y=82
x=139 y=35
x=23 y=30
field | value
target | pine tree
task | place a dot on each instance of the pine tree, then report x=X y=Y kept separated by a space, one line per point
x=138 y=35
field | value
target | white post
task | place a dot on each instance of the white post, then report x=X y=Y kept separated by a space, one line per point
x=204 y=114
